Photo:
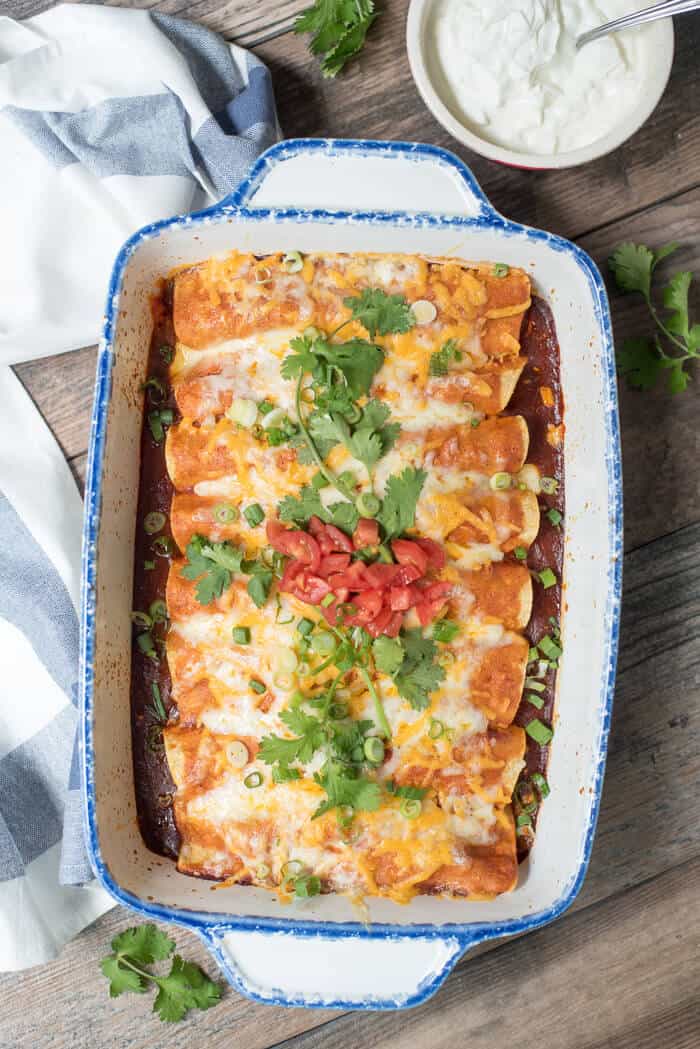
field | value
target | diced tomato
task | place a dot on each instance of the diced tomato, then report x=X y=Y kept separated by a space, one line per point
x=303 y=584
x=394 y=625
x=436 y=554
x=366 y=533
x=432 y=600
x=333 y=563
x=339 y=539
x=381 y=575
x=407 y=552
x=406 y=574
x=380 y=622
x=294 y=543
x=401 y=598
x=437 y=591
x=316 y=525
x=368 y=605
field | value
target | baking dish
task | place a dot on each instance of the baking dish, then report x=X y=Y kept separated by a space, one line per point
x=325 y=195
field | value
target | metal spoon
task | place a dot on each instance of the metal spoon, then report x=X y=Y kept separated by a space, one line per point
x=635 y=18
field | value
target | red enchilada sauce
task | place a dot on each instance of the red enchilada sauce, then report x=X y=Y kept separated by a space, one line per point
x=537 y=397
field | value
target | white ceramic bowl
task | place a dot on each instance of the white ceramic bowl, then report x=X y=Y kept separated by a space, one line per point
x=436 y=95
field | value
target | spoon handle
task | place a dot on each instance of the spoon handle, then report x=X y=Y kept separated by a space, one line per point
x=649 y=14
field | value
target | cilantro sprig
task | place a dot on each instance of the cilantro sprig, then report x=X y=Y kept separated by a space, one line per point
x=643 y=360
x=401 y=496
x=185 y=987
x=411 y=661
x=213 y=565
x=440 y=361
x=339 y=28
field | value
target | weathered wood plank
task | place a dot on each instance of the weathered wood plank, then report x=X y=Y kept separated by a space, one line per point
x=623 y=974
x=645 y=825
x=660 y=433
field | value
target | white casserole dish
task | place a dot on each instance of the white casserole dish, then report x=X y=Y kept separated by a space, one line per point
x=321 y=953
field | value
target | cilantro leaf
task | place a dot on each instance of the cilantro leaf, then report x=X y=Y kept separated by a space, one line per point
x=339 y=28
x=412 y=793
x=381 y=313
x=401 y=497
x=677 y=378
x=364 y=795
x=259 y=584
x=327 y=431
x=185 y=987
x=212 y=565
x=388 y=653
x=366 y=447
x=640 y=362
x=632 y=265
x=440 y=361
x=358 y=360
x=676 y=298
x=144 y=943
x=300 y=510
x=344 y=516
x=373 y=436
x=302 y=360
x=419 y=674
x=309 y=737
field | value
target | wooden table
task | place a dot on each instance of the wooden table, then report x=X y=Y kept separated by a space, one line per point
x=622 y=968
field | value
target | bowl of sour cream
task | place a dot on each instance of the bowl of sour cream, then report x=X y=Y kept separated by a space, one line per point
x=504 y=77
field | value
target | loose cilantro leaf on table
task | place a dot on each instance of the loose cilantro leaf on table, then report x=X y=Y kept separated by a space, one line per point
x=185 y=987
x=339 y=28
x=380 y=313
x=643 y=360
x=401 y=497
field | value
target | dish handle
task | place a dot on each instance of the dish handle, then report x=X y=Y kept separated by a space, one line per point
x=358 y=971
x=353 y=175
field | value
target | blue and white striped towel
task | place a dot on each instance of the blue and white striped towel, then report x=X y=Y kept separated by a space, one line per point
x=109 y=119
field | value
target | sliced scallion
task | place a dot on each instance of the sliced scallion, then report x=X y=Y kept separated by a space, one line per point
x=523 y=820
x=149 y=565
x=538 y=731
x=537 y=701
x=253 y=780
x=554 y=517
x=500 y=269
x=305 y=626
x=547 y=578
x=291 y=869
x=541 y=783
x=445 y=630
x=436 y=728
x=241 y=635
x=225 y=513
x=154 y=522
x=534 y=684
x=374 y=750
x=141 y=619
x=158 y=611
x=257 y=686
x=307 y=886
x=500 y=481
x=549 y=485
x=520 y=552
x=549 y=648
x=327 y=600
x=254 y=514
x=368 y=505
x=243 y=411
x=293 y=262
x=237 y=754
x=410 y=808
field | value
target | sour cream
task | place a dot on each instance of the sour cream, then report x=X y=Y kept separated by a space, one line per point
x=512 y=73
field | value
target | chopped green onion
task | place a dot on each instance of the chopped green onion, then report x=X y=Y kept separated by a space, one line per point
x=163 y=546
x=384 y=554
x=262 y=872
x=523 y=820
x=374 y=750
x=328 y=600
x=533 y=655
x=237 y=754
x=241 y=635
x=549 y=485
x=273 y=419
x=257 y=686
x=284 y=680
x=293 y=262
x=538 y=731
x=158 y=611
x=167 y=353
x=286 y=659
x=549 y=648
x=534 y=684
x=291 y=869
x=242 y=411
x=305 y=626
x=436 y=728
x=554 y=517
x=500 y=481
x=145 y=645
x=282 y=616
x=338 y=711
x=155 y=388
x=520 y=552
x=254 y=514
x=445 y=630
x=318 y=481
x=307 y=886
x=225 y=513
x=149 y=565
x=347 y=478
x=254 y=779
x=368 y=505
x=141 y=619
x=154 y=522
x=263 y=275
x=156 y=427
x=526 y=795
x=541 y=783
x=322 y=643
x=537 y=701
x=410 y=808
x=474 y=422
x=265 y=407
x=500 y=269
x=547 y=578
x=166 y=416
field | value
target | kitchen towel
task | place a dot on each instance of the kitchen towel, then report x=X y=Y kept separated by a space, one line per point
x=109 y=119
